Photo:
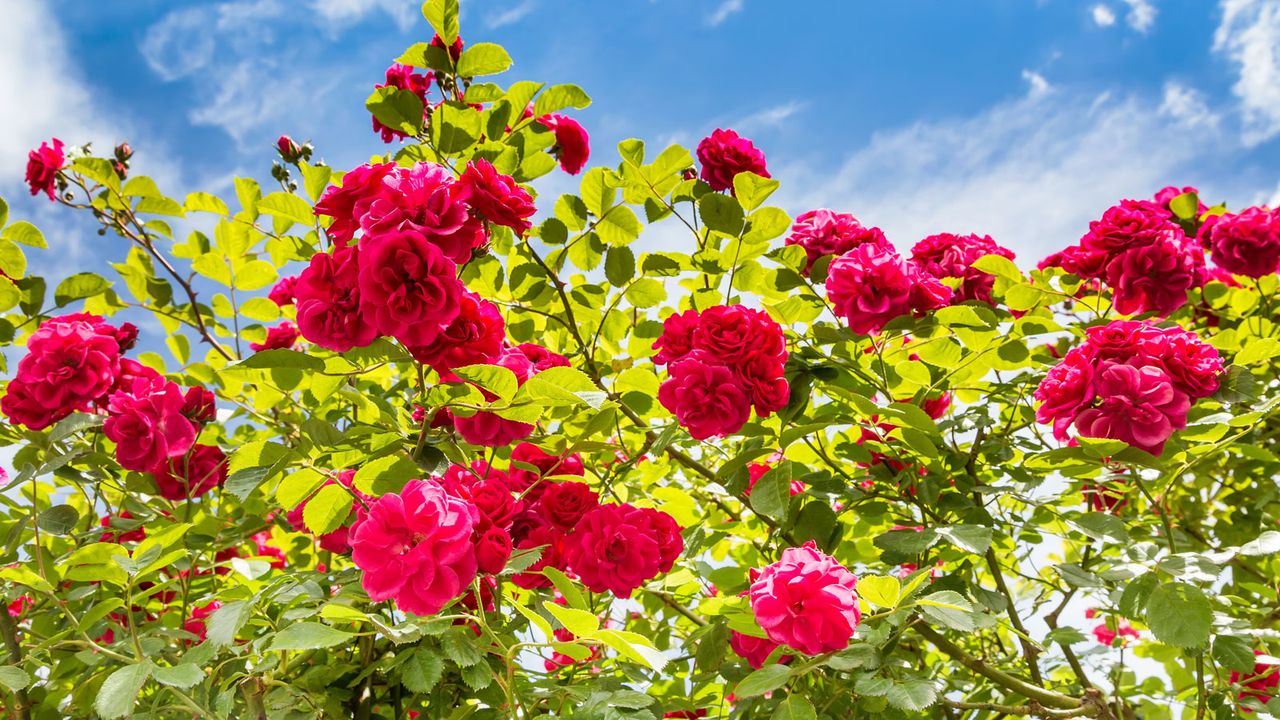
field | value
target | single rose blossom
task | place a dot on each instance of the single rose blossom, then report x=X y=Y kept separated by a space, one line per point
x=1155 y=277
x=493 y=549
x=283 y=293
x=69 y=366
x=1106 y=635
x=870 y=286
x=562 y=504
x=806 y=601
x=339 y=202
x=573 y=146
x=1131 y=223
x=619 y=547
x=424 y=200
x=146 y=423
x=707 y=398
x=1247 y=243
x=952 y=256
x=199 y=405
x=281 y=337
x=755 y=650
x=676 y=340
x=329 y=305
x=724 y=154
x=1137 y=405
x=415 y=547
x=290 y=151
x=408 y=288
x=498 y=198
x=191 y=474
x=43 y=165
x=541 y=358
x=826 y=233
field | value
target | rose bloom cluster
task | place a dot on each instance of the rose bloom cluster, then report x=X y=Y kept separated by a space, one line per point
x=805 y=601
x=424 y=545
x=1141 y=253
x=75 y=363
x=722 y=362
x=1130 y=381
x=1245 y=243
x=872 y=284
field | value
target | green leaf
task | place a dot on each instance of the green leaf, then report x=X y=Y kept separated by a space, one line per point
x=459 y=645
x=1185 y=207
x=795 y=707
x=58 y=520
x=972 y=538
x=226 y=621
x=494 y=378
x=288 y=206
x=752 y=190
x=1000 y=266
x=1236 y=384
x=422 y=671
x=398 y=109
x=183 y=675
x=443 y=16
x=120 y=690
x=559 y=97
x=389 y=471
x=327 y=509
x=483 y=59
x=766 y=679
x=24 y=576
x=205 y=202
x=771 y=496
x=14 y=678
x=78 y=286
x=721 y=213
x=619 y=266
x=25 y=233
x=1235 y=653
x=13 y=262
x=907 y=542
x=578 y=622
x=282 y=358
x=881 y=591
x=1179 y=614
x=948 y=608
x=913 y=695
x=255 y=274
x=4 y=212
x=646 y=293
x=308 y=636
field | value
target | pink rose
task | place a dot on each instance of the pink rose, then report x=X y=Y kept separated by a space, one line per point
x=1155 y=277
x=1065 y=391
x=328 y=299
x=871 y=285
x=677 y=336
x=1138 y=405
x=806 y=601
x=339 y=203
x=541 y=357
x=426 y=201
x=562 y=504
x=621 y=547
x=1247 y=243
x=493 y=549
x=952 y=256
x=1166 y=194
x=707 y=399
x=496 y=197
x=474 y=337
x=735 y=333
x=145 y=422
x=1105 y=635
x=573 y=146
x=403 y=77
x=282 y=336
x=1083 y=263
x=69 y=366
x=43 y=165
x=408 y=288
x=197 y=624
x=415 y=547
x=754 y=650
x=825 y=233
x=1132 y=223
x=191 y=474
x=283 y=292
x=724 y=154
x=1191 y=363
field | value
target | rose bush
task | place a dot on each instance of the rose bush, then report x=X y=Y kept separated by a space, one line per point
x=411 y=439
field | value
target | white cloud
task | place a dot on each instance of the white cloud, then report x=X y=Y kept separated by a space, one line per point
x=770 y=117
x=511 y=15
x=1141 y=16
x=341 y=12
x=1036 y=82
x=1250 y=36
x=1103 y=16
x=1031 y=172
x=1187 y=106
x=723 y=11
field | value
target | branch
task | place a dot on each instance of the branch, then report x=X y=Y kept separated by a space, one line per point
x=1047 y=698
x=10 y=632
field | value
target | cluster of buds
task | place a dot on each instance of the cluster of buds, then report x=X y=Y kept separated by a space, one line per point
x=121 y=162
x=292 y=154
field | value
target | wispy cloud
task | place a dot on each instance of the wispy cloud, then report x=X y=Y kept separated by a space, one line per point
x=1103 y=16
x=723 y=11
x=1141 y=15
x=769 y=117
x=511 y=15
x=1037 y=84
x=1249 y=35
x=404 y=12
x=1187 y=106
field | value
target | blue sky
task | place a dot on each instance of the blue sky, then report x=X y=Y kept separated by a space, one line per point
x=1017 y=118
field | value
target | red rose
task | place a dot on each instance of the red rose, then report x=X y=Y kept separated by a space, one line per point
x=497 y=197
x=404 y=78
x=408 y=288
x=825 y=233
x=1132 y=223
x=328 y=300
x=493 y=499
x=707 y=399
x=620 y=547
x=68 y=367
x=564 y=503
x=1248 y=242
x=677 y=336
x=474 y=337
x=552 y=555
x=952 y=256
x=572 y=147
x=493 y=549
x=426 y=201
x=282 y=336
x=724 y=154
x=1065 y=391
x=1155 y=277
x=43 y=165
x=192 y=474
x=282 y=293
x=1137 y=405
x=339 y=203
x=871 y=285
x=146 y=423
